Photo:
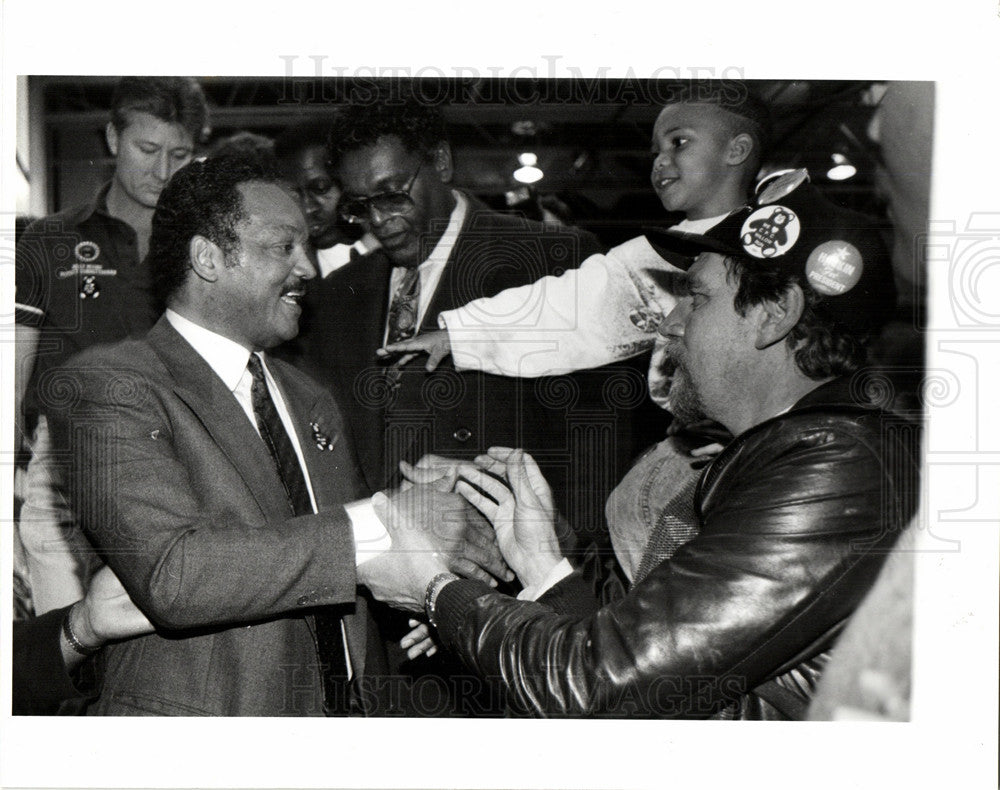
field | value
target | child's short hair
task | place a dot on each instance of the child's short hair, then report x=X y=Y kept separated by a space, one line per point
x=748 y=112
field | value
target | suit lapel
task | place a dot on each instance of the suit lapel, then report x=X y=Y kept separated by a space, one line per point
x=369 y=304
x=311 y=427
x=331 y=474
x=198 y=386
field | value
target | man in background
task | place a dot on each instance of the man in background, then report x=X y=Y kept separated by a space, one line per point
x=302 y=152
x=443 y=247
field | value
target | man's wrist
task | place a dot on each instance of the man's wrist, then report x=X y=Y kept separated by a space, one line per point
x=557 y=572
x=78 y=632
x=433 y=589
x=539 y=568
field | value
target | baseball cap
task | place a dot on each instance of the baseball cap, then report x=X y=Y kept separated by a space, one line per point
x=837 y=253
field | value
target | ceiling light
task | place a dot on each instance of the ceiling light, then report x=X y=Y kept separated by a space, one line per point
x=528 y=173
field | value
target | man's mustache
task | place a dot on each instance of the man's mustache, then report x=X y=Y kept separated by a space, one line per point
x=672 y=355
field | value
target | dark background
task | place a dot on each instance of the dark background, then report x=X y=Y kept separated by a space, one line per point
x=592 y=137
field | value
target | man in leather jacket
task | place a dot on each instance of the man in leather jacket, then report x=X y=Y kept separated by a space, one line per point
x=793 y=518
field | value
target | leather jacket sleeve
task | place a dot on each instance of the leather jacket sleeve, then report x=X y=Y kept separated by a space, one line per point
x=796 y=516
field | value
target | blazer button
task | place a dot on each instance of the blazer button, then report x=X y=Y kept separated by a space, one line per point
x=462 y=435
x=303 y=600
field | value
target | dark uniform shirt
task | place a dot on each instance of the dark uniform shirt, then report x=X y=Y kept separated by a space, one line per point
x=79 y=280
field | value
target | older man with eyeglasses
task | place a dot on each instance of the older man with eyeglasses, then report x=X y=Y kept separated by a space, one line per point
x=440 y=248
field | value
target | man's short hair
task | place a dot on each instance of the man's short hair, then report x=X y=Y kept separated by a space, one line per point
x=201 y=199
x=418 y=125
x=824 y=346
x=171 y=99
x=746 y=111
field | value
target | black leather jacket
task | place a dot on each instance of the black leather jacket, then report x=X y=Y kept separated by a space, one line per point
x=796 y=515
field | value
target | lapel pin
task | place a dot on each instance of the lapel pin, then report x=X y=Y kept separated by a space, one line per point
x=323 y=442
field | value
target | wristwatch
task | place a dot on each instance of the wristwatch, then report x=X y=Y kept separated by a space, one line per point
x=434 y=587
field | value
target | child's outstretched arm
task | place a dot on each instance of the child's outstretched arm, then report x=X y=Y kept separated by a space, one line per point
x=604 y=311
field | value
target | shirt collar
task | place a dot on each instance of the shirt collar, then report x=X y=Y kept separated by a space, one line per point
x=700 y=225
x=367 y=243
x=98 y=204
x=226 y=357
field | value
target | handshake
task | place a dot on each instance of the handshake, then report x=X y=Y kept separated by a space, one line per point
x=488 y=519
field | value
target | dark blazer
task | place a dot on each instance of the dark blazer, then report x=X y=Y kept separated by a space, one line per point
x=577 y=426
x=177 y=491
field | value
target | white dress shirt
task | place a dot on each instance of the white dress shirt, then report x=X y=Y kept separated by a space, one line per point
x=229 y=361
x=332 y=258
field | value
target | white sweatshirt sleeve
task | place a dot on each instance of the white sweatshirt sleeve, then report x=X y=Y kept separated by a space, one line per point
x=606 y=310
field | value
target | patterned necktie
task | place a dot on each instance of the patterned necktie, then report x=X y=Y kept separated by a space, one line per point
x=329 y=635
x=403 y=309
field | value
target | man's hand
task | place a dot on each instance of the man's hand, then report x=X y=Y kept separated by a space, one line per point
x=435 y=470
x=106 y=613
x=419 y=641
x=400 y=575
x=523 y=515
x=435 y=344
x=430 y=535
x=480 y=556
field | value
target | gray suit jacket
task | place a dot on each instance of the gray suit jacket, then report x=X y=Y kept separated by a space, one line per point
x=177 y=491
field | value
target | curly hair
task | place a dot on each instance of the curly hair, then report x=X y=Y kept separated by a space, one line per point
x=418 y=125
x=824 y=347
x=201 y=199
x=171 y=99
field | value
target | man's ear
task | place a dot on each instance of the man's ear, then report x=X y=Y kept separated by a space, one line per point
x=779 y=316
x=443 y=165
x=111 y=136
x=740 y=148
x=207 y=258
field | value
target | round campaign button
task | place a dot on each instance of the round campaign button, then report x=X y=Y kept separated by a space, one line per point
x=834 y=267
x=770 y=232
x=775 y=187
x=87 y=251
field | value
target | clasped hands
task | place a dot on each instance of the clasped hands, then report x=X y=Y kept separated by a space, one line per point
x=481 y=519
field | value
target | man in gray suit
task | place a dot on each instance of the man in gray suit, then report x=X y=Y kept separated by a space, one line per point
x=212 y=478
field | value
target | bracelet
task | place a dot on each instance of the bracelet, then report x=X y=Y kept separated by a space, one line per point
x=74 y=642
x=431 y=593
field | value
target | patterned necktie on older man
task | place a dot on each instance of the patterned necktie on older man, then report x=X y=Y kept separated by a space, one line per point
x=403 y=317
x=404 y=305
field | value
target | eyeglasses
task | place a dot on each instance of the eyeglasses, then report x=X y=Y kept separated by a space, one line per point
x=358 y=209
